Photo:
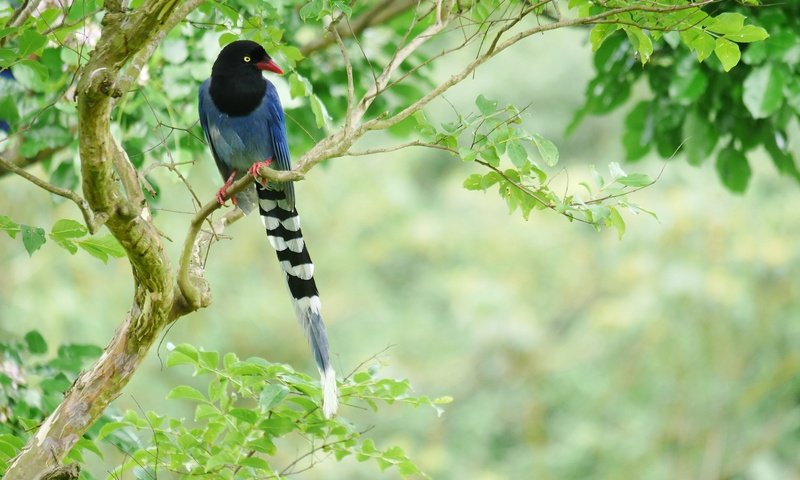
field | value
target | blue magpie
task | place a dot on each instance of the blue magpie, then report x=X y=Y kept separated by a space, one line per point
x=244 y=125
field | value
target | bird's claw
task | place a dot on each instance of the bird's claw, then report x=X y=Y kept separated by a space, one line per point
x=221 y=195
x=253 y=170
x=223 y=190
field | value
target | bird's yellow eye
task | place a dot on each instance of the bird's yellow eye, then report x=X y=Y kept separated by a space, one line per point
x=247 y=59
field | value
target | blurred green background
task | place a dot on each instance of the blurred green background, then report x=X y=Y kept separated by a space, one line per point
x=671 y=353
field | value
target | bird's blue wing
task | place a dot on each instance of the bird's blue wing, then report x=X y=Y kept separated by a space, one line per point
x=237 y=142
x=280 y=143
x=206 y=111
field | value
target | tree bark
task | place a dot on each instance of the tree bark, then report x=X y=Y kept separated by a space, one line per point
x=103 y=162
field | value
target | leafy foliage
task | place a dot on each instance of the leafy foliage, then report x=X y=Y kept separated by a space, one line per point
x=32 y=386
x=158 y=127
x=245 y=408
x=495 y=138
x=66 y=234
x=707 y=109
x=250 y=405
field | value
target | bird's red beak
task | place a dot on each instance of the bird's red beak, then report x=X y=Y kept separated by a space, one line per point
x=269 y=65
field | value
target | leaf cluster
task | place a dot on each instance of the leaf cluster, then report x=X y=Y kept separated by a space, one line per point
x=495 y=137
x=700 y=104
x=32 y=386
x=246 y=408
x=67 y=234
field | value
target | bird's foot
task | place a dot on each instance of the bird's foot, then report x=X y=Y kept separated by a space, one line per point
x=223 y=191
x=253 y=170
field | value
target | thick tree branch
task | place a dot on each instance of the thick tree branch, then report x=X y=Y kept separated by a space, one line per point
x=102 y=162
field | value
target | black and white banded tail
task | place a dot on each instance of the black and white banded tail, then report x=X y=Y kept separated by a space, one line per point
x=283 y=231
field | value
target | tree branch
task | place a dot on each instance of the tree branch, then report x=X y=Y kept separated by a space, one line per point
x=383 y=11
x=23 y=162
x=92 y=222
x=383 y=123
x=154 y=305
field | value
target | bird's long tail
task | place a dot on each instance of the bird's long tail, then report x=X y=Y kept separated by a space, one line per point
x=283 y=231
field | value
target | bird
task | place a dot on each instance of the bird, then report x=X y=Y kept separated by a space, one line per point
x=244 y=125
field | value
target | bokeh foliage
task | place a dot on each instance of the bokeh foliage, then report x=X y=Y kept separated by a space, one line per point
x=707 y=110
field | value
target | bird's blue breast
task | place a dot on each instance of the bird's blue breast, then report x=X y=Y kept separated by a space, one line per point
x=238 y=141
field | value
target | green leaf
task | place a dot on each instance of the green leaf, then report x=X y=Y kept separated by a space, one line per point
x=641 y=42
x=102 y=247
x=639 y=131
x=209 y=360
x=689 y=85
x=255 y=462
x=30 y=42
x=312 y=9
x=32 y=238
x=517 y=153
x=467 y=154
x=490 y=179
x=244 y=414
x=727 y=23
x=228 y=37
x=728 y=53
x=184 y=354
x=9 y=226
x=186 y=392
x=109 y=428
x=205 y=410
x=277 y=426
x=486 y=106
x=599 y=34
x=31 y=75
x=35 y=342
x=635 y=180
x=263 y=445
x=64 y=231
x=547 y=150
x=701 y=137
x=320 y=112
x=763 y=90
x=704 y=46
x=733 y=169
x=473 y=182
x=272 y=395
x=299 y=86
x=748 y=33
x=490 y=156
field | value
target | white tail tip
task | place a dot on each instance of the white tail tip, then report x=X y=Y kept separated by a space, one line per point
x=330 y=400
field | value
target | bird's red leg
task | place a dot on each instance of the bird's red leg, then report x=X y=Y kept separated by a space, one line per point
x=253 y=170
x=223 y=191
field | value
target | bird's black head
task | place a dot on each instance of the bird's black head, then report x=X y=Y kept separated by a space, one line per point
x=243 y=58
x=237 y=86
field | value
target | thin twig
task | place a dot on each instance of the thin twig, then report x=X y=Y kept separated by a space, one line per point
x=348 y=67
x=92 y=222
